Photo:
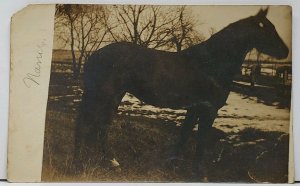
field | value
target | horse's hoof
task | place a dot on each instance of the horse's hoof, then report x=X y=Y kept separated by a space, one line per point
x=114 y=163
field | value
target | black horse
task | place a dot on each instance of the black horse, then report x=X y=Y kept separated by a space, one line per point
x=197 y=79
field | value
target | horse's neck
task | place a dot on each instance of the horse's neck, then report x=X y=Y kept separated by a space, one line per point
x=225 y=53
x=229 y=43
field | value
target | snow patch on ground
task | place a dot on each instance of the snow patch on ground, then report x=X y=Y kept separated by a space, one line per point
x=240 y=112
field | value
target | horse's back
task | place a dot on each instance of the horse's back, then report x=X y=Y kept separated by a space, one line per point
x=105 y=60
x=116 y=55
x=127 y=59
x=119 y=66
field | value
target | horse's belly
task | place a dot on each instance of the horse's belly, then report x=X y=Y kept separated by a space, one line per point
x=173 y=101
x=177 y=97
x=168 y=101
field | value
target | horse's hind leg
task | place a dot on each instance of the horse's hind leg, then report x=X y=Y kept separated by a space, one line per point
x=104 y=118
x=96 y=112
x=83 y=123
x=85 y=131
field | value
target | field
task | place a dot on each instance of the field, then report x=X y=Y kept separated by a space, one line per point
x=249 y=135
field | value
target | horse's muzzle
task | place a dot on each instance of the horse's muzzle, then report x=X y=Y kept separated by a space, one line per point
x=283 y=52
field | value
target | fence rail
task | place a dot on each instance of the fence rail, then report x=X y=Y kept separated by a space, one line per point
x=267 y=62
x=67 y=67
x=63 y=67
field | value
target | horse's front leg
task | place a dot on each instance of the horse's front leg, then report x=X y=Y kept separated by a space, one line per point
x=207 y=115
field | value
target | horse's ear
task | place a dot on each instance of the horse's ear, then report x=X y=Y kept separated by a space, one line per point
x=262 y=12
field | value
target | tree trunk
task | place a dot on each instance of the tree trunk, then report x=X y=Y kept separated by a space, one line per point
x=75 y=67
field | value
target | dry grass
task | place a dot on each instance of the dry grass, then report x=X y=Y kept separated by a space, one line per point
x=142 y=147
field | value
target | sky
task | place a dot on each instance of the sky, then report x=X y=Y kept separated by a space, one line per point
x=218 y=17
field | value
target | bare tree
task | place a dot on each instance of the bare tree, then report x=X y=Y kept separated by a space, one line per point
x=86 y=28
x=183 y=30
x=144 y=25
x=82 y=27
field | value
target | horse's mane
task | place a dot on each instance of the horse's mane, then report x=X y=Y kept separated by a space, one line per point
x=219 y=40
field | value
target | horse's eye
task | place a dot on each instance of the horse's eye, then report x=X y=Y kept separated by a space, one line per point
x=261 y=25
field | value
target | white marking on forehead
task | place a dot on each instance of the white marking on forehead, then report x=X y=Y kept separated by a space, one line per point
x=261 y=25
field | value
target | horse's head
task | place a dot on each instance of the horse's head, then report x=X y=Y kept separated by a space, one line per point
x=265 y=37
